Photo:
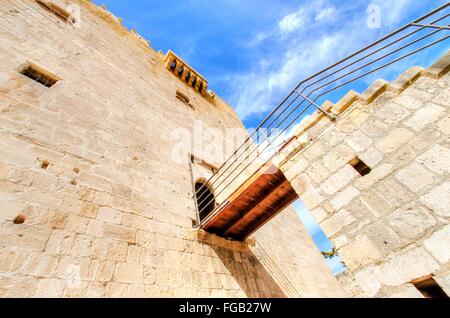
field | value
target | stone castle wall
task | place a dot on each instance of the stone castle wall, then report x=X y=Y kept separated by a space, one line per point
x=390 y=226
x=88 y=165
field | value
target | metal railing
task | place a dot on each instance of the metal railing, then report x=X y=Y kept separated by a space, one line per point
x=258 y=148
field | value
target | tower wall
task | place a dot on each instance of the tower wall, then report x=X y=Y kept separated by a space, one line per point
x=390 y=226
x=88 y=164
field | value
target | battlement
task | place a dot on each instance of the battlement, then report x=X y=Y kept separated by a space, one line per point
x=315 y=124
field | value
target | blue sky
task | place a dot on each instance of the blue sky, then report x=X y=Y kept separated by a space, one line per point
x=253 y=52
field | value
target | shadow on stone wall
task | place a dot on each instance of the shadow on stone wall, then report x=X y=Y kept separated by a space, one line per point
x=249 y=273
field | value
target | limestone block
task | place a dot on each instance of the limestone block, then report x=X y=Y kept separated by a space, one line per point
x=438 y=200
x=89 y=210
x=119 y=232
x=319 y=214
x=335 y=223
x=386 y=239
x=344 y=198
x=337 y=181
x=440 y=67
x=439 y=245
x=345 y=102
x=297 y=165
x=129 y=273
x=110 y=215
x=339 y=241
x=118 y=251
x=373 y=91
x=411 y=221
x=371 y=157
x=394 y=140
x=444 y=125
x=318 y=172
x=407 y=266
x=408 y=291
x=367 y=279
x=392 y=114
x=415 y=177
x=315 y=150
x=105 y=271
x=352 y=121
x=50 y=288
x=375 y=176
x=358 y=141
x=312 y=198
x=95 y=290
x=334 y=137
x=374 y=127
x=359 y=252
x=437 y=159
x=121 y=191
x=425 y=116
x=41 y=265
x=406 y=79
x=13 y=286
x=412 y=99
x=337 y=157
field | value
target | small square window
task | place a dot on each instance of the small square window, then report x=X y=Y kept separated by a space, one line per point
x=360 y=166
x=428 y=287
x=39 y=75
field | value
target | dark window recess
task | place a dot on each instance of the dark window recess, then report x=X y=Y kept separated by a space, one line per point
x=205 y=200
x=173 y=66
x=188 y=76
x=56 y=10
x=428 y=287
x=180 y=71
x=360 y=166
x=39 y=75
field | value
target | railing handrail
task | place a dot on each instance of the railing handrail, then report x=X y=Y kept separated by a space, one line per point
x=295 y=94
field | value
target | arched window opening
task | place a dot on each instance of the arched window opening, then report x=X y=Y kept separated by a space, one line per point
x=205 y=199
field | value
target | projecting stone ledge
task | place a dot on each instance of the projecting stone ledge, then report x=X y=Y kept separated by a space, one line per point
x=253 y=204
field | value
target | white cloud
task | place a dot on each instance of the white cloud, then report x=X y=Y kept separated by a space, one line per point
x=325 y=14
x=293 y=21
x=259 y=91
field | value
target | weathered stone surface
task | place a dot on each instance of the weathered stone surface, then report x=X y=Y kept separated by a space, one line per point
x=318 y=172
x=109 y=215
x=444 y=125
x=371 y=157
x=394 y=140
x=344 y=197
x=407 y=292
x=338 y=157
x=413 y=99
x=337 y=181
x=334 y=224
x=439 y=245
x=415 y=177
x=438 y=200
x=368 y=280
x=411 y=221
x=399 y=269
x=392 y=114
x=361 y=251
x=129 y=273
x=319 y=214
x=437 y=159
x=375 y=176
x=425 y=116
x=358 y=141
